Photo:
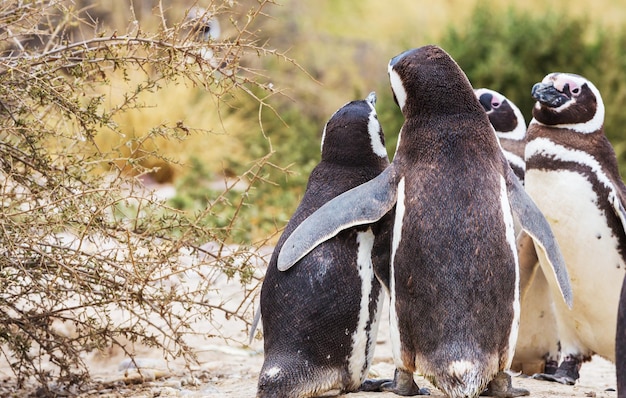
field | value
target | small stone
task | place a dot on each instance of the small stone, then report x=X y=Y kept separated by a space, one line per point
x=209 y=390
x=173 y=383
x=166 y=392
x=136 y=377
x=190 y=381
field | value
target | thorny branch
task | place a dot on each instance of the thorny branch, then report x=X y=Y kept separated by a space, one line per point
x=78 y=244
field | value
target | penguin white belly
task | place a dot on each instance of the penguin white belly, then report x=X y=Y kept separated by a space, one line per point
x=538 y=334
x=595 y=267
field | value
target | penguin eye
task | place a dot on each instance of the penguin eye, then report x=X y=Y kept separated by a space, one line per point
x=576 y=90
x=495 y=105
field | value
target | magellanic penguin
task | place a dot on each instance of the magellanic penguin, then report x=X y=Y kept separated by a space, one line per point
x=572 y=174
x=454 y=306
x=320 y=318
x=510 y=126
x=537 y=348
x=620 y=345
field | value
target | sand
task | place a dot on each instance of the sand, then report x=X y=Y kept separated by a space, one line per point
x=228 y=367
x=231 y=370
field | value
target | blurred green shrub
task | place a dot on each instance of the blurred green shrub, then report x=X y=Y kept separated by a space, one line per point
x=506 y=49
x=511 y=50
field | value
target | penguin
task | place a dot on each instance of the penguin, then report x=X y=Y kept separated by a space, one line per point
x=510 y=126
x=454 y=283
x=320 y=319
x=572 y=174
x=620 y=345
x=537 y=348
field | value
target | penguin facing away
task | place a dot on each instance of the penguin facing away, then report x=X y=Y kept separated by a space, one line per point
x=454 y=287
x=572 y=174
x=320 y=318
x=537 y=348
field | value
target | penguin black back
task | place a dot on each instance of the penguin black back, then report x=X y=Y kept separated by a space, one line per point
x=320 y=316
x=454 y=264
x=445 y=110
x=453 y=277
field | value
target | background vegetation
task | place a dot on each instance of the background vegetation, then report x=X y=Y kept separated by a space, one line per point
x=506 y=46
x=90 y=257
x=89 y=130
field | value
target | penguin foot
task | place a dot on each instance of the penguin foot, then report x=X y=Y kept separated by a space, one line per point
x=502 y=387
x=404 y=385
x=374 y=385
x=550 y=367
x=566 y=373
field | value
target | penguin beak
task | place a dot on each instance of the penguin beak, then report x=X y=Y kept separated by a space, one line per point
x=485 y=101
x=548 y=95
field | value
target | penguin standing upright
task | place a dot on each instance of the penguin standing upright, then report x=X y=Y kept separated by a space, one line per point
x=320 y=318
x=537 y=347
x=454 y=289
x=572 y=174
x=510 y=126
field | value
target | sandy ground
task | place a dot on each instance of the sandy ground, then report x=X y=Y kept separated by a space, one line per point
x=596 y=378
x=229 y=368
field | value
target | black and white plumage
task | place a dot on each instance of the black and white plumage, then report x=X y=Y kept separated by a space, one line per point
x=537 y=348
x=572 y=174
x=320 y=318
x=510 y=126
x=453 y=281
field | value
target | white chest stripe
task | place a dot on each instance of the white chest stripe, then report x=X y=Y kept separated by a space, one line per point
x=545 y=147
x=588 y=127
x=514 y=159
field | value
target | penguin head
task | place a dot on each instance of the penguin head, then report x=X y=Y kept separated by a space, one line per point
x=354 y=136
x=504 y=115
x=427 y=80
x=567 y=100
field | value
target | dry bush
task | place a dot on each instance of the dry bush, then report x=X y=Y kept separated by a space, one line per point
x=80 y=237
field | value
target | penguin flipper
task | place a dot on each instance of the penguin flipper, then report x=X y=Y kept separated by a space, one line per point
x=528 y=262
x=255 y=323
x=618 y=207
x=363 y=204
x=535 y=224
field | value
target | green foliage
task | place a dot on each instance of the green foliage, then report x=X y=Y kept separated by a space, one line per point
x=509 y=51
